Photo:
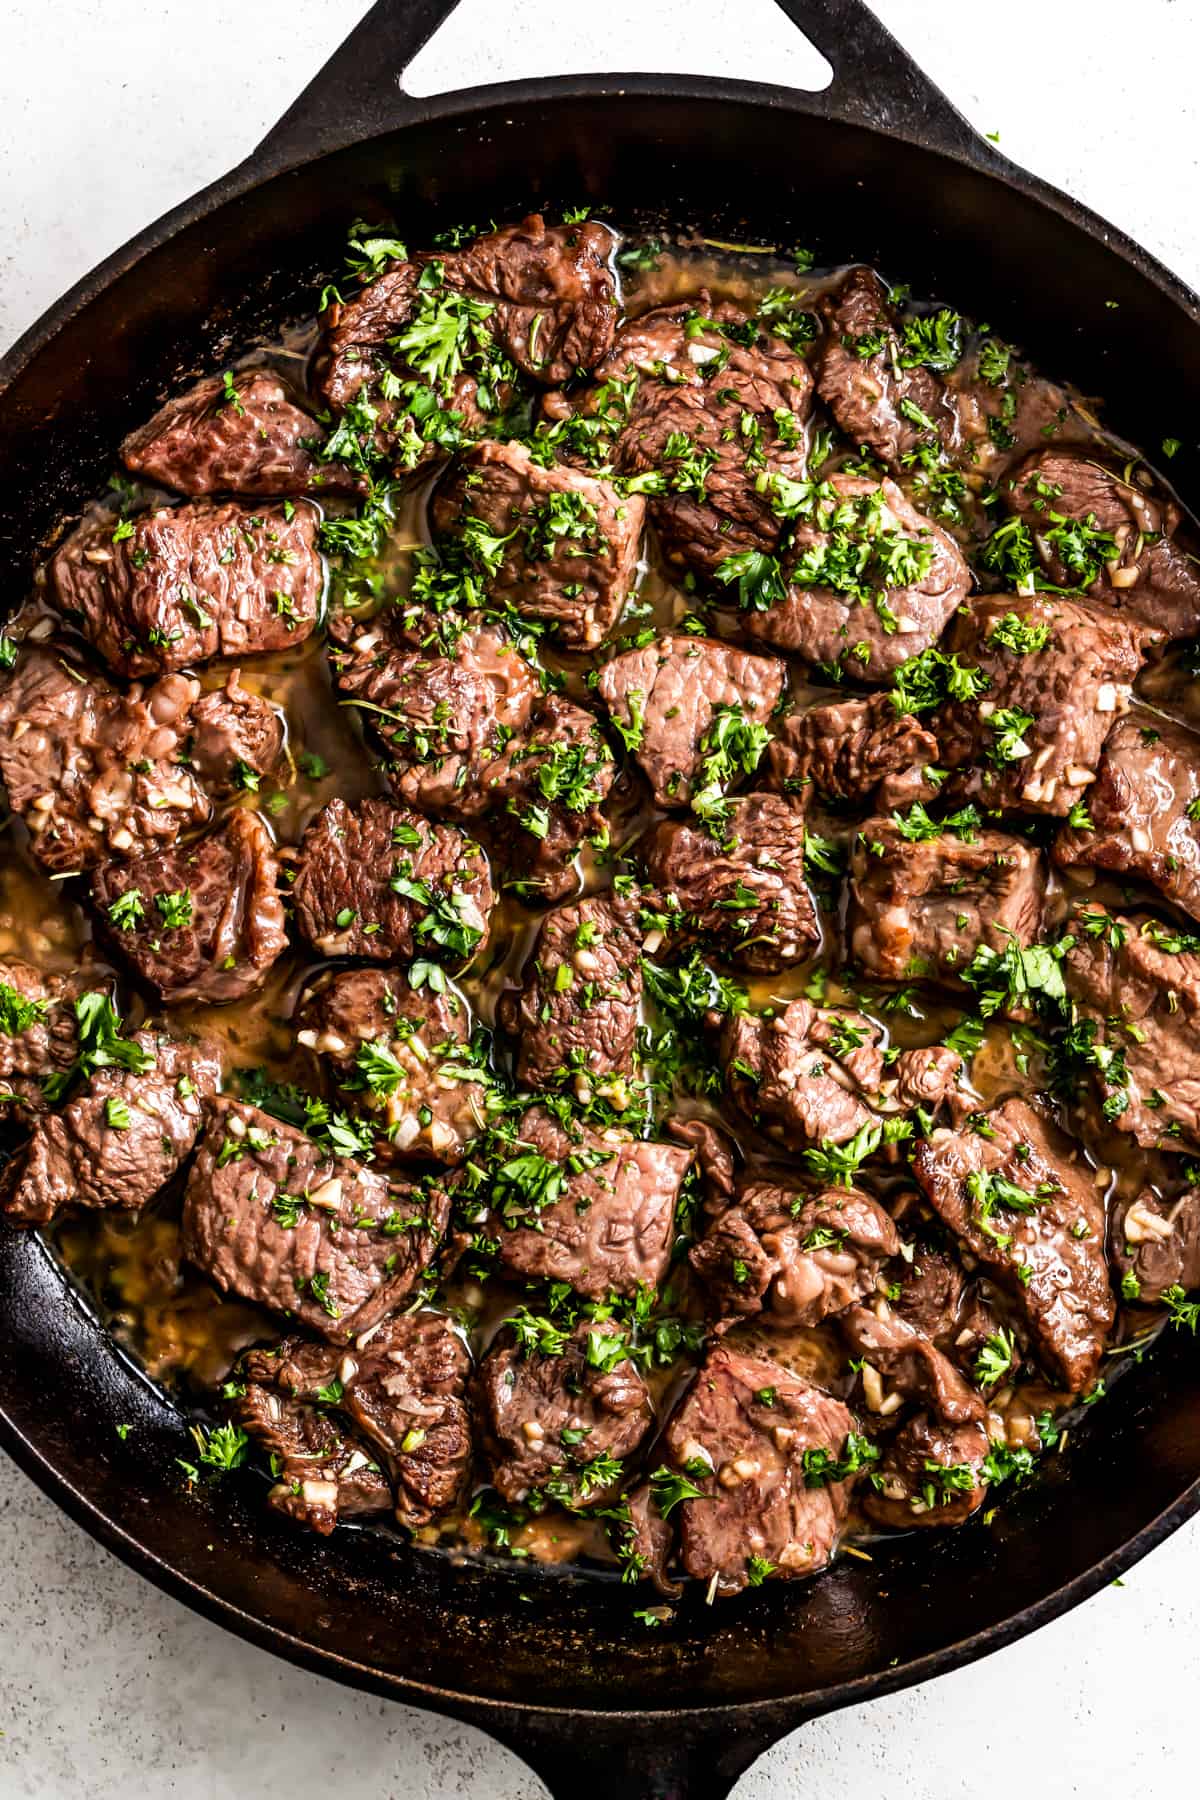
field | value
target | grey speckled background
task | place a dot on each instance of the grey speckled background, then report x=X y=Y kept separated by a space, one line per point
x=108 y=114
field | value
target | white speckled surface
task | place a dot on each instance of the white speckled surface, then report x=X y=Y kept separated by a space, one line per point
x=108 y=114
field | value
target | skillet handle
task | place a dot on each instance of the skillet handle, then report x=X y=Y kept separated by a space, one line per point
x=876 y=83
x=589 y=1759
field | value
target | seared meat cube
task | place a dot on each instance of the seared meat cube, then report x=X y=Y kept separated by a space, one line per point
x=894 y=1351
x=39 y=1034
x=1097 y=529
x=1024 y=1204
x=792 y=1256
x=799 y=1074
x=714 y=1159
x=378 y=881
x=844 y=750
x=925 y=907
x=234 y=434
x=1135 y=984
x=561 y=1422
x=1157 y=1242
x=322 y=1475
x=552 y=779
x=744 y=892
x=1031 y=740
x=120 y=1140
x=203 y=923
x=1143 y=808
x=92 y=771
x=930 y=1079
x=576 y=1017
x=403 y=1393
x=867 y=581
x=186 y=583
x=399 y=1055
x=716 y=400
x=644 y=1540
x=929 y=1476
x=675 y=698
x=877 y=402
x=443 y=720
x=237 y=737
x=272 y=1217
x=928 y=1294
x=595 y=1209
x=553 y=543
x=768 y=1437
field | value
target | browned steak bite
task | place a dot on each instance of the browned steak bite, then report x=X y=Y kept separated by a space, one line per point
x=800 y=1074
x=1157 y=1243
x=1143 y=811
x=595 y=1209
x=923 y=907
x=1058 y=676
x=234 y=434
x=928 y=1293
x=714 y=1160
x=771 y=1441
x=745 y=890
x=877 y=401
x=1107 y=533
x=403 y=1394
x=551 y=782
x=844 y=750
x=558 y=1420
x=680 y=697
x=186 y=583
x=120 y=1140
x=322 y=1475
x=398 y=1055
x=276 y=1219
x=1024 y=1203
x=39 y=1034
x=930 y=1475
x=794 y=1257
x=716 y=401
x=576 y=1017
x=379 y=881
x=92 y=772
x=1135 y=983
x=553 y=543
x=932 y=1079
x=899 y=1363
x=203 y=923
x=866 y=582
x=237 y=737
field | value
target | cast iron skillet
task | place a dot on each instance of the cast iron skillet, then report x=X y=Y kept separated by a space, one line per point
x=879 y=167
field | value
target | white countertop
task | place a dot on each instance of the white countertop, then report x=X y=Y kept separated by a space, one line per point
x=111 y=111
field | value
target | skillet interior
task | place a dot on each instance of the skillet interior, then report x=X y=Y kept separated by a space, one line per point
x=414 y=1625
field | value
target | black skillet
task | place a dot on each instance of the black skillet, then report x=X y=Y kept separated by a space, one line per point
x=878 y=167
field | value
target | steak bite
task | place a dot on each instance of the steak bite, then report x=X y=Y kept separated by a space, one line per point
x=560 y=1423
x=203 y=923
x=322 y=1475
x=899 y=1363
x=186 y=583
x=931 y=1079
x=923 y=907
x=271 y=1216
x=744 y=892
x=91 y=771
x=552 y=780
x=234 y=434
x=121 y=1139
x=799 y=1074
x=1143 y=809
x=772 y=1441
x=575 y=1019
x=842 y=751
x=378 y=881
x=1157 y=1242
x=1106 y=533
x=39 y=1034
x=877 y=401
x=1135 y=984
x=237 y=737
x=794 y=1257
x=679 y=697
x=929 y=1476
x=1058 y=675
x=1024 y=1204
x=400 y=1057
x=866 y=580
x=595 y=1209
x=553 y=544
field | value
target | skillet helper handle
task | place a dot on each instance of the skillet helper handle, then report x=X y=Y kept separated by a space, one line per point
x=591 y=1759
x=360 y=90
x=876 y=82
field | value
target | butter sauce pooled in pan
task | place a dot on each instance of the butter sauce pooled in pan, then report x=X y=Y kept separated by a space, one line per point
x=601 y=958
